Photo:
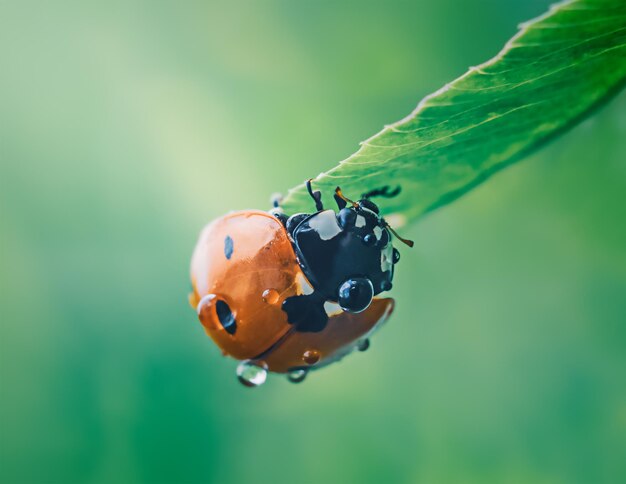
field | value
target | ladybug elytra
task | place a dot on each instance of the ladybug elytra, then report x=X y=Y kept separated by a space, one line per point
x=292 y=294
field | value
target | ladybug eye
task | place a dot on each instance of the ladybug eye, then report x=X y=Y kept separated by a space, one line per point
x=355 y=294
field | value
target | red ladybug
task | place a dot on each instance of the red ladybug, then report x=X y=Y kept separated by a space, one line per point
x=291 y=294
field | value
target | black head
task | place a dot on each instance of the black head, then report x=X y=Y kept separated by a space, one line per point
x=347 y=256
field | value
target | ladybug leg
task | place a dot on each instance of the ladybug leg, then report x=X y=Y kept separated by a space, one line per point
x=276 y=199
x=315 y=195
x=277 y=211
x=341 y=203
x=382 y=192
x=282 y=218
x=306 y=312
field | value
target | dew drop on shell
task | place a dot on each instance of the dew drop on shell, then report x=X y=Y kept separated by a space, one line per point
x=205 y=306
x=369 y=240
x=270 y=296
x=297 y=376
x=251 y=374
x=310 y=357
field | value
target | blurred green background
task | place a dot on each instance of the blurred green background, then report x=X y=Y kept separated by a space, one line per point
x=126 y=126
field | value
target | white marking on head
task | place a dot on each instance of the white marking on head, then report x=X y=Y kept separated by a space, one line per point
x=304 y=285
x=325 y=224
x=386 y=258
x=360 y=221
x=378 y=232
x=332 y=308
x=365 y=209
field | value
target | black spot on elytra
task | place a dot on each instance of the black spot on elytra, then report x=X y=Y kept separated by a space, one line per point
x=228 y=247
x=306 y=312
x=226 y=317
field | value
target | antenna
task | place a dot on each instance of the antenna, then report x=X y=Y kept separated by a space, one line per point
x=408 y=242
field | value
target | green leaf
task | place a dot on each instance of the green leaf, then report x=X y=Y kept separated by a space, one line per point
x=546 y=79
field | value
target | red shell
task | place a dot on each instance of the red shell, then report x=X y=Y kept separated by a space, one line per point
x=259 y=274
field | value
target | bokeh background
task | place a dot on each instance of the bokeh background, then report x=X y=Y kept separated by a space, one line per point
x=126 y=126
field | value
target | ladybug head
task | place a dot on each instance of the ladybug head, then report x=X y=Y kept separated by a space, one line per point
x=348 y=256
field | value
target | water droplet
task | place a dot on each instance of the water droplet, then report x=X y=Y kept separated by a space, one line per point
x=270 y=296
x=297 y=376
x=363 y=345
x=310 y=357
x=369 y=240
x=251 y=374
x=204 y=308
x=386 y=286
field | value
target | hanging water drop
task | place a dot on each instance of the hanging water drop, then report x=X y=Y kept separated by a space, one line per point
x=204 y=308
x=297 y=376
x=363 y=345
x=270 y=296
x=251 y=374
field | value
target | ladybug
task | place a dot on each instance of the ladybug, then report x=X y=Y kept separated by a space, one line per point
x=289 y=294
